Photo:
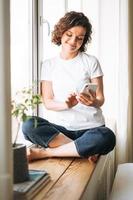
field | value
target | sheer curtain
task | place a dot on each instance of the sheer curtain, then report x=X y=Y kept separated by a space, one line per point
x=118 y=81
x=114 y=54
x=122 y=78
x=110 y=22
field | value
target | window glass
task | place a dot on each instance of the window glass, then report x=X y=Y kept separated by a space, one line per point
x=21 y=47
x=52 y=11
x=74 y=5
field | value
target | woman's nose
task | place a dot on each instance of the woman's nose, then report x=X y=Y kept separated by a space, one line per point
x=73 y=40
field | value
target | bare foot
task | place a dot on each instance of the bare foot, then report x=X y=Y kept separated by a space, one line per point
x=94 y=158
x=36 y=154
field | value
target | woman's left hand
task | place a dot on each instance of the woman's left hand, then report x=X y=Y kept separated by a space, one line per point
x=87 y=99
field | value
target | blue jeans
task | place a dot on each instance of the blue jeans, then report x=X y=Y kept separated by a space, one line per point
x=100 y=140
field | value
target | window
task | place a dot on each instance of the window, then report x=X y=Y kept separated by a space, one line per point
x=21 y=47
x=48 y=23
x=58 y=9
x=74 y=5
x=21 y=44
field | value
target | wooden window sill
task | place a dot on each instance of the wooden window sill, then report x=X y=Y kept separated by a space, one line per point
x=69 y=177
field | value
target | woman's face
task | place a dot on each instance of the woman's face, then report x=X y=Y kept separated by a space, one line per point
x=72 y=39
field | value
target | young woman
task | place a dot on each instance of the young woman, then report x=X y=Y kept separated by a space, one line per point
x=74 y=125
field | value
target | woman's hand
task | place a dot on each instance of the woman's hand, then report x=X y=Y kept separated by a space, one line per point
x=50 y=103
x=71 y=100
x=87 y=99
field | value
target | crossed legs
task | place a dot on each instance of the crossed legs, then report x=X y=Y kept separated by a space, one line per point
x=60 y=146
x=89 y=143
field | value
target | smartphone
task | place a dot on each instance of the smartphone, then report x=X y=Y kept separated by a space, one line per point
x=89 y=86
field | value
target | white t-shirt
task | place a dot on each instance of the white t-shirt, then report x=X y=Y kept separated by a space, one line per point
x=69 y=76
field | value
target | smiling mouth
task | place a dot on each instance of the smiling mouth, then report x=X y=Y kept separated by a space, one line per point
x=72 y=47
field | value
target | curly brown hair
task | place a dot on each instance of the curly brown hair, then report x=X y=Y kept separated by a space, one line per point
x=70 y=20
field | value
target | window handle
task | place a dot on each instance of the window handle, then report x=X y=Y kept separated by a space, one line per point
x=43 y=21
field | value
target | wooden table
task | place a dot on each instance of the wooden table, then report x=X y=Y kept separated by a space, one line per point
x=69 y=178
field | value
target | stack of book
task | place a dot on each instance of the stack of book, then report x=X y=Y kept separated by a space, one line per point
x=28 y=189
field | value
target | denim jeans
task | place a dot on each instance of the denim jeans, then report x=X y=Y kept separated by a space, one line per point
x=100 y=140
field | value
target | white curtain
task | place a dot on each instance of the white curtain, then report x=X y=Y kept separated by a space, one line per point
x=122 y=85
x=110 y=45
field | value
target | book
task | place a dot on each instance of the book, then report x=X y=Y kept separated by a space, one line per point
x=27 y=189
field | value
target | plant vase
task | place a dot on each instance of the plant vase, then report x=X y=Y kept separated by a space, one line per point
x=20 y=164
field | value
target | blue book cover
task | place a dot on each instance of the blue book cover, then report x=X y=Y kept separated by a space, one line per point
x=36 y=178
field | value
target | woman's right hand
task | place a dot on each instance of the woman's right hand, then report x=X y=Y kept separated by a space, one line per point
x=71 y=100
x=50 y=103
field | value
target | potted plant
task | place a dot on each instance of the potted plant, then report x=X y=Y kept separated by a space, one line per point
x=23 y=105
